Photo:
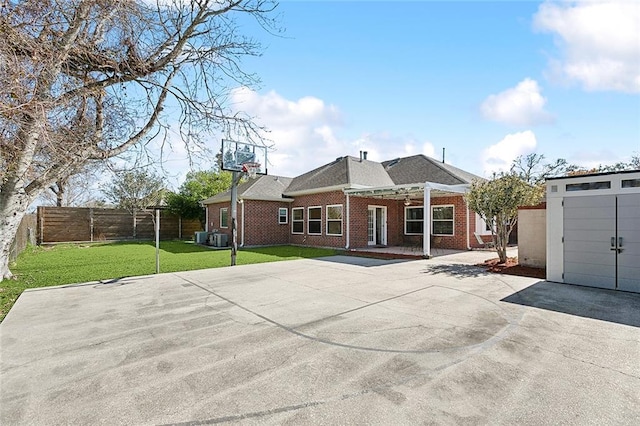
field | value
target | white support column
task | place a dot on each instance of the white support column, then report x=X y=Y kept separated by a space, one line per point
x=426 y=228
x=347 y=220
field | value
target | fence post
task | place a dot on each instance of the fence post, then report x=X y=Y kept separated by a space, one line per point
x=40 y=224
x=179 y=227
x=91 y=222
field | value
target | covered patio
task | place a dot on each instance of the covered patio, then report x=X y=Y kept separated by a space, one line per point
x=410 y=194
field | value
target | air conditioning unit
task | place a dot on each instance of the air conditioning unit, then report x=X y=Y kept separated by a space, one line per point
x=200 y=237
x=218 y=240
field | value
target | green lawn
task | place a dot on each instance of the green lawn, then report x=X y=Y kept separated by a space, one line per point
x=76 y=263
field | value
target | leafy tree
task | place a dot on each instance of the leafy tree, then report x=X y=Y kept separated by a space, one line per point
x=497 y=201
x=197 y=186
x=87 y=80
x=135 y=190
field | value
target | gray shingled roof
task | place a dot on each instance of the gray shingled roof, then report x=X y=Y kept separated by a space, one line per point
x=420 y=168
x=346 y=172
x=350 y=172
x=263 y=187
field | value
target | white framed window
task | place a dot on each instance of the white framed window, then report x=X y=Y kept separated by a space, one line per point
x=482 y=227
x=283 y=215
x=334 y=220
x=414 y=220
x=314 y=220
x=224 y=217
x=442 y=220
x=297 y=220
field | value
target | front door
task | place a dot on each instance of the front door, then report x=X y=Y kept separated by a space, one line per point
x=377 y=226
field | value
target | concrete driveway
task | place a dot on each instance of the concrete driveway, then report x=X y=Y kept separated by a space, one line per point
x=339 y=340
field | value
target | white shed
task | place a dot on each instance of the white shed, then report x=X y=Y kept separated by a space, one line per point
x=593 y=230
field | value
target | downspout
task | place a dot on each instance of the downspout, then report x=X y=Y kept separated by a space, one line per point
x=468 y=225
x=426 y=229
x=347 y=227
x=242 y=214
x=206 y=217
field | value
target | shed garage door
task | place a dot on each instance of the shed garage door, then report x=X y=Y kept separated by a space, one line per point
x=602 y=241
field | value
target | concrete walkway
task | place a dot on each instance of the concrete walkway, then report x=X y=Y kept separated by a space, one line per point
x=338 y=340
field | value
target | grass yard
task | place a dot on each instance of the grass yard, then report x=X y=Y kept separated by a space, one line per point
x=76 y=263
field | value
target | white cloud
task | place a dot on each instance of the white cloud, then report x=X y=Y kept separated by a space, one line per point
x=498 y=157
x=590 y=159
x=306 y=133
x=522 y=105
x=599 y=42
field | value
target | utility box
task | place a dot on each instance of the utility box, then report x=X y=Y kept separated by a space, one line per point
x=200 y=237
x=218 y=240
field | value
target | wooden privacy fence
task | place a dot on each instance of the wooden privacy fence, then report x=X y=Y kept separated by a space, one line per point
x=67 y=224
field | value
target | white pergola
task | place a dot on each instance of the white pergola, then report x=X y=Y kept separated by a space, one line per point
x=408 y=193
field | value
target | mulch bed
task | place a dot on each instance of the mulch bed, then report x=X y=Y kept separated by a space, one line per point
x=512 y=267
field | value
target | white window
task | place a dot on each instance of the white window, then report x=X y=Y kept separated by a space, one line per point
x=314 y=221
x=482 y=227
x=283 y=215
x=334 y=220
x=442 y=220
x=413 y=220
x=297 y=220
x=224 y=218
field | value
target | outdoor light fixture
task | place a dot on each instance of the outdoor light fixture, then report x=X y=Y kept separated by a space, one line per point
x=407 y=201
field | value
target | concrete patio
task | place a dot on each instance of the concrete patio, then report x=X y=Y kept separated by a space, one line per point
x=338 y=340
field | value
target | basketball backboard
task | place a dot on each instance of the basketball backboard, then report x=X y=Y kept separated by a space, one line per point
x=235 y=154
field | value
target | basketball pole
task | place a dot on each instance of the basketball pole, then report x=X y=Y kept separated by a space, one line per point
x=235 y=178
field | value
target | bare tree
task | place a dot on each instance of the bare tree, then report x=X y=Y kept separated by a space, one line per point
x=79 y=189
x=534 y=170
x=88 y=80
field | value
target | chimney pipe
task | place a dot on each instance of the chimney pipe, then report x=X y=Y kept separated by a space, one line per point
x=361 y=156
x=443 y=155
x=364 y=155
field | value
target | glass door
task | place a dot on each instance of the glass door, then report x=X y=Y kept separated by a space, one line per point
x=376 y=226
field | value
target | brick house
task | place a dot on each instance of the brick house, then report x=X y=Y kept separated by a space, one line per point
x=354 y=203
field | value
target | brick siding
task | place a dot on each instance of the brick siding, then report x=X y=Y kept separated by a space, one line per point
x=262 y=227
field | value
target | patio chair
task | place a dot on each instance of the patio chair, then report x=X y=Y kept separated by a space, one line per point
x=482 y=243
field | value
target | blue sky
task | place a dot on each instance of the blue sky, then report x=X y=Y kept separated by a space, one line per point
x=486 y=80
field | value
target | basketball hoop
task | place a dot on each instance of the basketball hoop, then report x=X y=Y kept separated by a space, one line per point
x=251 y=169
